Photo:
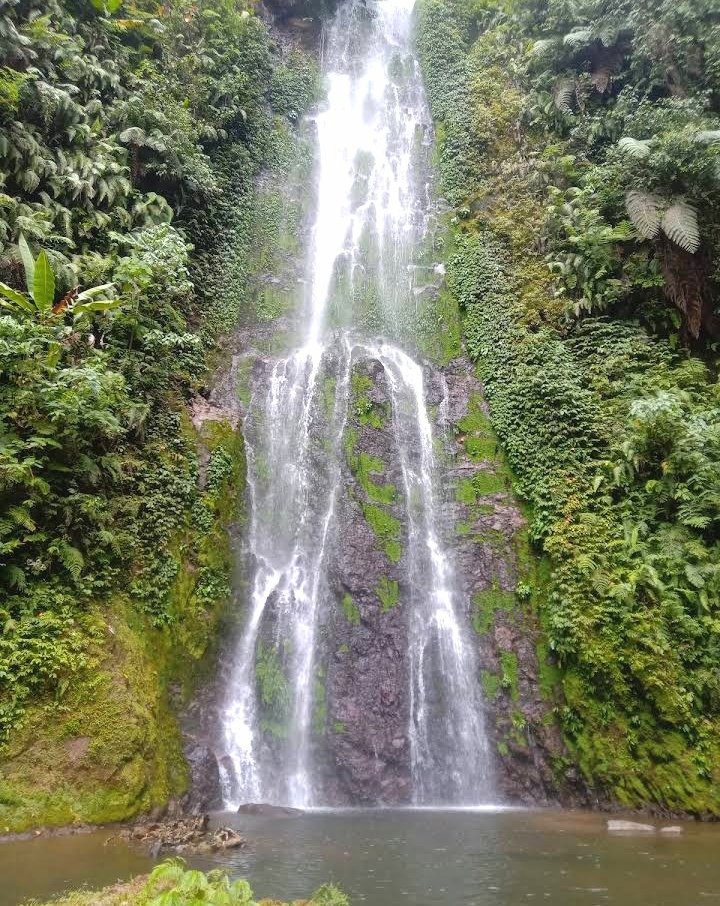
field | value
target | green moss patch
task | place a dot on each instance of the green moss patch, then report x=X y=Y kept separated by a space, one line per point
x=487 y=603
x=387 y=529
x=273 y=690
x=365 y=410
x=388 y=592
x=350 y=609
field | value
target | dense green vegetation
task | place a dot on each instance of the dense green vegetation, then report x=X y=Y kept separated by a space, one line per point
x=580 y=147
x=171 y=884
x=131 y=134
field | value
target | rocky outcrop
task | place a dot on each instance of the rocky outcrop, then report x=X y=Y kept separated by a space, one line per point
x=205 y=792
x=267 y=810
x=182 y=835
x=367 y=685
x=362 y=689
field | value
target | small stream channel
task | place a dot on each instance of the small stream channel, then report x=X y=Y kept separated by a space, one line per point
x=388 y=857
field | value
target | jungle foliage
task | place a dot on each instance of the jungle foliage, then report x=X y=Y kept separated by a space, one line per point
x=131 y=134
x=579 y=143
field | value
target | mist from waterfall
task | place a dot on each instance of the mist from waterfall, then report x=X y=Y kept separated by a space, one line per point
x=364 y=274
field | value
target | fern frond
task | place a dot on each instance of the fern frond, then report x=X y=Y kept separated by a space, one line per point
x=635 y=147
x=645 y=211
x=608 y=35
x=14 y=577
x=543 y=46
x=578 y=37
x=563 y=95
x=22 y=517
x=71 y=559
x=133 y=135
x=680 y=225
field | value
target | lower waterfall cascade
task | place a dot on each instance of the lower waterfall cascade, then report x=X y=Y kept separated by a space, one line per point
x=372 y=215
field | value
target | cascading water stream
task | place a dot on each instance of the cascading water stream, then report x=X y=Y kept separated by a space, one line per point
x=370 y=219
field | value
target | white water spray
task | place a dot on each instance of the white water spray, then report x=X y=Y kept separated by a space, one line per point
x=370 y=219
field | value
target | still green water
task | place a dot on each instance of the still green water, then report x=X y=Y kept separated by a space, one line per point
x=386 y=858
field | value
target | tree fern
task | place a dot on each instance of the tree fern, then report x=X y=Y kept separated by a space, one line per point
x=608 y=35
x=645 y=211
x=680 y=225
x=544 y=45
x=635 y=147
x=578 y=37
x=707 y=136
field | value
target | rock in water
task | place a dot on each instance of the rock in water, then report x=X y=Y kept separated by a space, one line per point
x=634 y=827
x=671 y=829
x=264 y=808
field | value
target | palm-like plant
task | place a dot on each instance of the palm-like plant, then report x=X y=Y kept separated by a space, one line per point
x=39 y=300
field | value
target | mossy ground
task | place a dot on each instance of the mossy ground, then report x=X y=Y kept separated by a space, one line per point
x=108 y=746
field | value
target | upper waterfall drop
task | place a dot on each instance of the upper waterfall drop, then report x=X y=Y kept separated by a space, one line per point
x=365 y=271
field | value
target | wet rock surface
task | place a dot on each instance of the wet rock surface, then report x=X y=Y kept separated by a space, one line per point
x=361 y=741
x=205 y=792
x=268 y=810
x=367 y=682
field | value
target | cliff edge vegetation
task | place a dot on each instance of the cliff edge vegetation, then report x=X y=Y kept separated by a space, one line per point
x=579 y=148
x=131 y=137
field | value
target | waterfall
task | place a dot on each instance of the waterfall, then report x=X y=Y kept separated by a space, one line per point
x=365 y=273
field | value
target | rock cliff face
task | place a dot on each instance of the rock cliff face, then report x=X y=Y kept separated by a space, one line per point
x=367 y=751
x=494 y=569
x=367 y=673
x=362 y=688
x=361 y=710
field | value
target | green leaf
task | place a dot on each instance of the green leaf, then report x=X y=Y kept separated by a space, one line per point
x=680 y=224
x=71 y=558
x=28 y=263
x=645 y=210
x=85 y=308
x=107 y=6
x=94 y=291
x=635 y=147
x=44 y=282
x=53 y=356
x=18 y=299
x=579 y=37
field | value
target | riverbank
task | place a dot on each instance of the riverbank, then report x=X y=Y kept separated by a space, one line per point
x=171 y=878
